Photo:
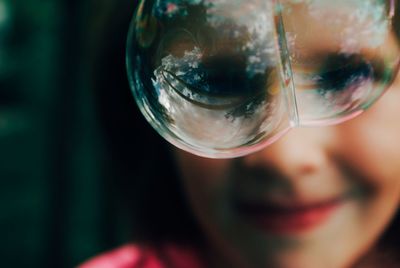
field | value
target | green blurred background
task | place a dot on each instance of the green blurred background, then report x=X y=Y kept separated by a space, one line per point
x=61 y=77
x=68 y=145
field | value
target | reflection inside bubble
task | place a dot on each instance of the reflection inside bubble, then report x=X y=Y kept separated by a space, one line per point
x=224 y=78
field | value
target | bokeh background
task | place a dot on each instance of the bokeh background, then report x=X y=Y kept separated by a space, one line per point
x=66 y=141
x=71 y=137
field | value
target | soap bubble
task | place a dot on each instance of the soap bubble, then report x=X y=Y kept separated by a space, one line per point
x=224 y=78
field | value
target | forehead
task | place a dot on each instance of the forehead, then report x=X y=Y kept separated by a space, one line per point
x=312 y=26
x=346 y=27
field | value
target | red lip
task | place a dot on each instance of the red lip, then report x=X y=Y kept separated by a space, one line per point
x=287 y=219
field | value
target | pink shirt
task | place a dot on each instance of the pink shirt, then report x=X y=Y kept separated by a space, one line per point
x=135 y=256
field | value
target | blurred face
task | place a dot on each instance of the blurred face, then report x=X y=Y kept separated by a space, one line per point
x=319 y=197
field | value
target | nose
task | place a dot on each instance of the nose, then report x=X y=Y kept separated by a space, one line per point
x=301 y=152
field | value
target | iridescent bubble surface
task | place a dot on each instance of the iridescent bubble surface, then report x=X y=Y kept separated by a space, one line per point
x=224 y=78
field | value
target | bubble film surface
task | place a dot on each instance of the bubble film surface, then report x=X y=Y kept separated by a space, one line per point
x=224 y=78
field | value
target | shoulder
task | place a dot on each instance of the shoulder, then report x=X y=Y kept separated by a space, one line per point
x=140 y=256
x=123 y=257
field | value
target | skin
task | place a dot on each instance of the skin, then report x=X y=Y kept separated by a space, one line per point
x=358 y=159
x=357 y=162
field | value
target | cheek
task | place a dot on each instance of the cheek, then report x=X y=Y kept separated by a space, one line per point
x=370 y=146
x=205 y=180
x=197 y=172
x=372 y=141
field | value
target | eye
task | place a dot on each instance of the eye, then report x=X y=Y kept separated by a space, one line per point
x=218 y=82
x=344 y=72
x=226 y=74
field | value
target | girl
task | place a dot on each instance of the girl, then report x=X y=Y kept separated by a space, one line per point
x=318 y=197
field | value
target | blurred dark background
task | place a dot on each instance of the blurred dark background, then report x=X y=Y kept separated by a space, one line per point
x=66 y=142
x=71 y=137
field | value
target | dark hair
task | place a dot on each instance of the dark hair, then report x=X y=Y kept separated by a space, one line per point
x=142 y=168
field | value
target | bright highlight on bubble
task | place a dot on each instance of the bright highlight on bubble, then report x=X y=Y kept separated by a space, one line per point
x=225 y=78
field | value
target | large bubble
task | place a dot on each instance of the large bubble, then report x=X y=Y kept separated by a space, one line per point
x=224 y=78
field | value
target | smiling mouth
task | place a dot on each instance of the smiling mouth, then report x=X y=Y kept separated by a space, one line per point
x=287 y=219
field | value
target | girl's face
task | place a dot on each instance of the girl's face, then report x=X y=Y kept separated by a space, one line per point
x=319 y=197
